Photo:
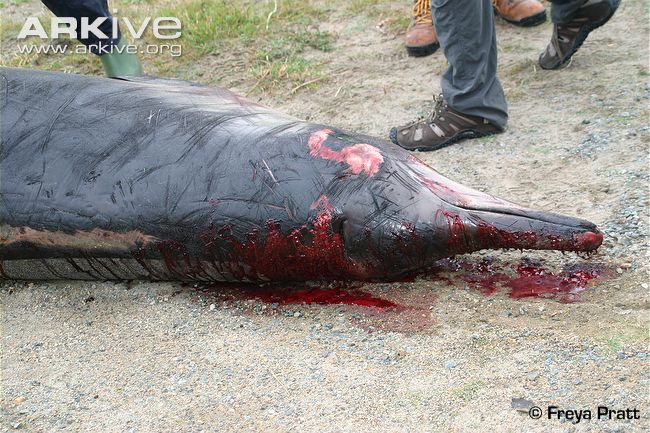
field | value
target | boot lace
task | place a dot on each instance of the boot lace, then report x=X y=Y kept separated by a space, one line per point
x=439 y=105
x=422 y=12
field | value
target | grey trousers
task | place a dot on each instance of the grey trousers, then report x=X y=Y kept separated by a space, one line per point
x=466 y=34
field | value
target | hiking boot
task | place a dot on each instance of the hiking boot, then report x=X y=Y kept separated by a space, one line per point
x=444 y=126
x=567 y=38
x=421 y=38
x=524 y=13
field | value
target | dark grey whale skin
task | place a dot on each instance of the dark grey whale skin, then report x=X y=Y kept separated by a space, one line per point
x=165 y=180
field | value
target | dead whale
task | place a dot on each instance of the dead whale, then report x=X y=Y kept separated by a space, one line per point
x=164 y=180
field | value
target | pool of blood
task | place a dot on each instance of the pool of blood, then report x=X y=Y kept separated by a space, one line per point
x=523 y=280
x=404 y=308
x=527 y=279
x=283 y=295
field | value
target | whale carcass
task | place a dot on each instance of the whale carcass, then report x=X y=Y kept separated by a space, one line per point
x=165 y=180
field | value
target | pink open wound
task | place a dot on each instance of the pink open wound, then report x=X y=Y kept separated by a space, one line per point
x=360 y=157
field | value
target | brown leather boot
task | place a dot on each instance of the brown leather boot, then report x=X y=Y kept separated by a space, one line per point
x=523 y=13
x=421 y=38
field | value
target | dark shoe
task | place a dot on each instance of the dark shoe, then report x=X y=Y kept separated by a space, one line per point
x=524 y=13
x=421 y=38
x=567 y=38
x=444 y=126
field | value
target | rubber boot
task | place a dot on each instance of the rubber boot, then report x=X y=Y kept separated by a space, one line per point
x=120 y=63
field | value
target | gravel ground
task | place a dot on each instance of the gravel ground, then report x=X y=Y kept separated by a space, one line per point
x=106 y=357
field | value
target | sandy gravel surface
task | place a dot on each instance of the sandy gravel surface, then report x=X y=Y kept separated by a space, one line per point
x=109 y=357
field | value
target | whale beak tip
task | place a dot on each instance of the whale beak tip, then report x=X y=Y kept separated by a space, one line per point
x=589 y=241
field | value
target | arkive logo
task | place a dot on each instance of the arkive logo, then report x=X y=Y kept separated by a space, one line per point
x=161 y=27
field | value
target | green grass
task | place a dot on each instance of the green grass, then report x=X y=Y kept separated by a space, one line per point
x=206 y=24
x=272 y=43
x=362 y=6
x=275 y=51
x=5 y=3
x=281 y=59
x=397 y=23
x=614 y=343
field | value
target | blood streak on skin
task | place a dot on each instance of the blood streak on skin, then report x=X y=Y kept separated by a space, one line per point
x=456 y=243
x=435 y=186
x=360 y=157
x=487 y=236
x=322 y=202
x=314 y=253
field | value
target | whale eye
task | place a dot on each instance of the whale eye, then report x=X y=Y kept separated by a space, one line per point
x=338 y=224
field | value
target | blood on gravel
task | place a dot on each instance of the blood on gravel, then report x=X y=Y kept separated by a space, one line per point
x=283 y=295
x=529 y=280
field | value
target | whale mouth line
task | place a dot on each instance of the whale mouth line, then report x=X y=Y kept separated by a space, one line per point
x=544 y=217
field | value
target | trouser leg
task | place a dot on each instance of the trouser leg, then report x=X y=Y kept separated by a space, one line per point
x=91 y=9
x=563 y=11
x=467 y=36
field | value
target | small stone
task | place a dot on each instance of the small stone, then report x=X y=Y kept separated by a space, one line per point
x=645 y=285
x=102 y=348
x=533 y=376
x=450 y=364
x=19 y=400
x=297 y=314
x=94 y=286
x=619 y=270
x=212 y=307
x=521 y=404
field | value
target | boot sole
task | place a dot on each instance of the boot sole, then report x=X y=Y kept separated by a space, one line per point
x=582 y=36
x=422 y=51
x=533 y=20
x=462 y=135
